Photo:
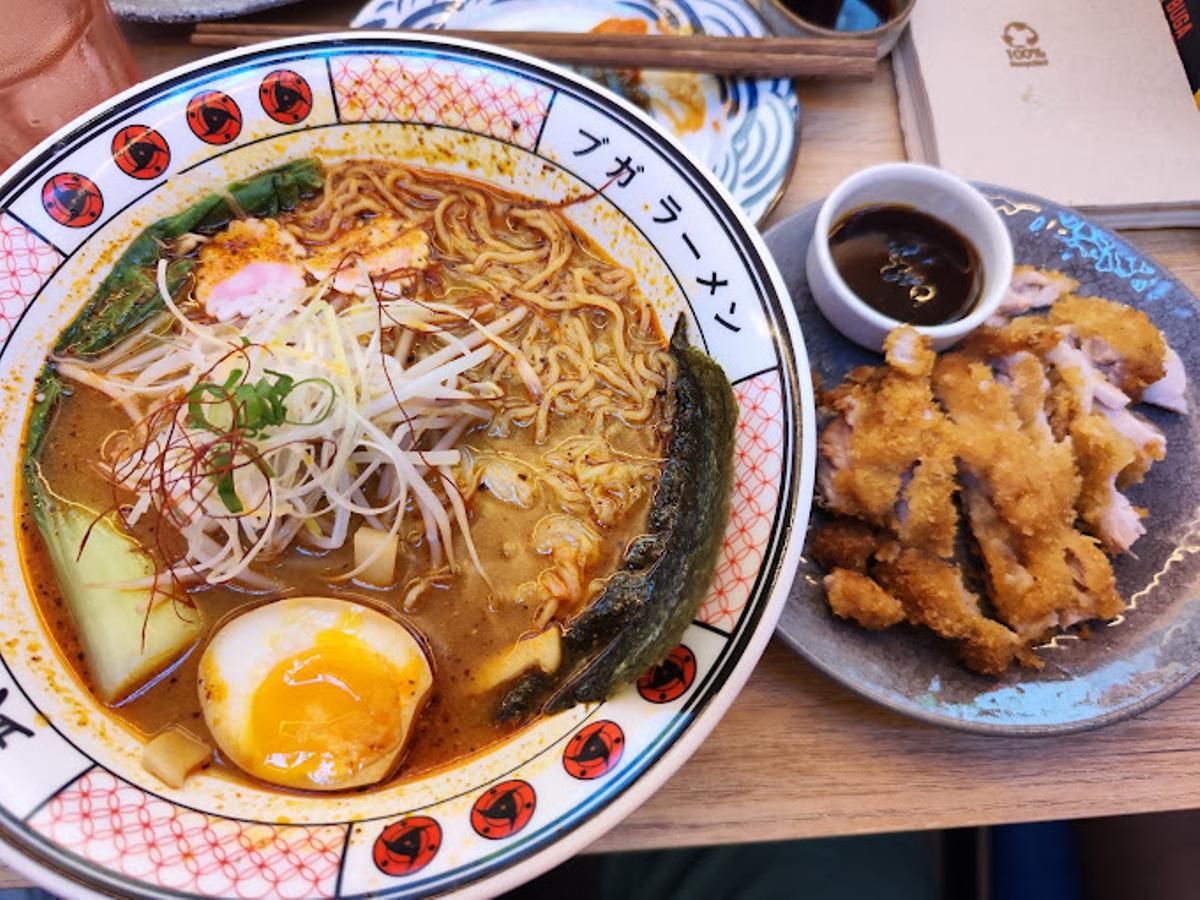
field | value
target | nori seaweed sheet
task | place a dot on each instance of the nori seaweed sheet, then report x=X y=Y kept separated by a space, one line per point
x=649 y=601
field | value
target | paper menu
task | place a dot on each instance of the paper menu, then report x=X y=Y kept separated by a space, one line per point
x=1083 y=101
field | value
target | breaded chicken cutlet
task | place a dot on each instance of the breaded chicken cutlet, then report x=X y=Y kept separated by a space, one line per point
x=1029 y=424
x=875 y=466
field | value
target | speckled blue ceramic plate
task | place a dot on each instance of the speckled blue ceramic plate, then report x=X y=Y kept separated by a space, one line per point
x=749 y=130
x=1121 y=669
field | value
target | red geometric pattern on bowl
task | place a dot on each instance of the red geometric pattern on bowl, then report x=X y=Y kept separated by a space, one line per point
x=26 y=261
x=120 y=827
x=438 y=92
x=757 y=468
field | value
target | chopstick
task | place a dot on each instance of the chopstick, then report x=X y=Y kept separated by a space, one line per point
x=774 y=57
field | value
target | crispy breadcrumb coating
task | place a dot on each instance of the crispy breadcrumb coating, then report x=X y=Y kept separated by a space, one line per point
x=1037 y=585
x=888 y=456
x=853 y=595
x=1102 y=455
x=844 y=543
x=1119 y=338
x=1114 y=447
x=1029 y=422
x=934 y=595
x=1031 y=476
x=1032 y=334
x=906 y=351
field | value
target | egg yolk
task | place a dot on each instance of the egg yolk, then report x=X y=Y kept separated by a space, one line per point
x=324 y=714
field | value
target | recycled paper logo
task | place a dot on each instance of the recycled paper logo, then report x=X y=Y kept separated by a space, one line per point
x=1022 y=43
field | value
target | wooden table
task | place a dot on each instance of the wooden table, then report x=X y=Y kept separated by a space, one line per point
x=798 y=755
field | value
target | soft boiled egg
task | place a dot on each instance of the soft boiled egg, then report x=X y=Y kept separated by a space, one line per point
x=313 y=692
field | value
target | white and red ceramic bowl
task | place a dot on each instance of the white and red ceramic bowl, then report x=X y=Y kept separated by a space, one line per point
x=77 y=812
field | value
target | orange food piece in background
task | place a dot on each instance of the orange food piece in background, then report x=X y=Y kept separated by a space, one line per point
x=622 y=26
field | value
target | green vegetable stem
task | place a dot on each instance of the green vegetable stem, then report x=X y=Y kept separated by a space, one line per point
x=128 y=297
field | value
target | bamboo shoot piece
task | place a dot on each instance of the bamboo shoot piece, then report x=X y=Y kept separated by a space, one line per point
x=376 y=550
x=542 y=651
x=172 y=755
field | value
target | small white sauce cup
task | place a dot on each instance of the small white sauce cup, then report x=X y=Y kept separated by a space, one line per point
x=928 y=190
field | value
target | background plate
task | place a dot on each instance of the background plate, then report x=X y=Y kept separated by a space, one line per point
x=1123 y=668
x=193 y=11
x=751 y=126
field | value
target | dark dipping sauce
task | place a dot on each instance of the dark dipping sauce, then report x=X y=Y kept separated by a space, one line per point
x=845 y=15
x=907 y=264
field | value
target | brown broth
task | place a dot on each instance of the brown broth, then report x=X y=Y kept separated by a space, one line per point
x=459 y=623
x=462 y=623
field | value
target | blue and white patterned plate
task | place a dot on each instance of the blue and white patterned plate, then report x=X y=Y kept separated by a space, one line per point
x=751 y=127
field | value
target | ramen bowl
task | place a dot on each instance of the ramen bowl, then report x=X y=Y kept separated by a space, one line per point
x=78 y=813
